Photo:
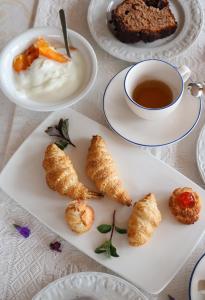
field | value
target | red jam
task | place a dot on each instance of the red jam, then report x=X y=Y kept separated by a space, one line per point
x=186 y=200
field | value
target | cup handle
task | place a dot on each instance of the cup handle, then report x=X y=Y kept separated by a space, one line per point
x=185 y=72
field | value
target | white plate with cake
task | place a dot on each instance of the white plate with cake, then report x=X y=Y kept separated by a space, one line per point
x=141 y=29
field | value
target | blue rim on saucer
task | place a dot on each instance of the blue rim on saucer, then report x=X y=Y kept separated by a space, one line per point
x=192 y=274
x=142 y=144
x=149 y=108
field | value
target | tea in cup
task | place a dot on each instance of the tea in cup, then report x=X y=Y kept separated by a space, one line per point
x=154 y=88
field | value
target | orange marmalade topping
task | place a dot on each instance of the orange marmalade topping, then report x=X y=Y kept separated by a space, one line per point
x=186 y=200
x=40 y=47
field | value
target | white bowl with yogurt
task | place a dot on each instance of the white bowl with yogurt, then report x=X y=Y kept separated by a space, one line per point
x=48 y=85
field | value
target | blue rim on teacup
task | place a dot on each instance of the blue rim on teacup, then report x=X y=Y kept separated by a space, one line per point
x=154 y=109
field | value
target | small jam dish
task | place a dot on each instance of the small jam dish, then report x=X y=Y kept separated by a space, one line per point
x=51 y=97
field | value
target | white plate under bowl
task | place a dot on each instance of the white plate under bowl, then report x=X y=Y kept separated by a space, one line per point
x=22 y=42
x=189 y=16
x=150 y=267
x=98 y=286
x=198 y=273
x=148 y=133
x=200 y=153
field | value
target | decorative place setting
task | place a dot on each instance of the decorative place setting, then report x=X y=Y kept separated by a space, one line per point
x=91 y=185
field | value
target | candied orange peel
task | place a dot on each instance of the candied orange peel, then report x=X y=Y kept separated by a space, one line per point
x=40 y=47
x=48 y=51
x=25 y=59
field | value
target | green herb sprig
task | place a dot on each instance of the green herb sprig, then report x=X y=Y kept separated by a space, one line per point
x=61 y=131
x=107 y=247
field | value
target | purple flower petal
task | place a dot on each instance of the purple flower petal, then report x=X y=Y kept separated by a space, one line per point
x=24 y=231
x=56 y=246
x=170 y=297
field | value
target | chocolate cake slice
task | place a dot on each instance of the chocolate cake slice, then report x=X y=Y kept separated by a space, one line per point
x=146 y=20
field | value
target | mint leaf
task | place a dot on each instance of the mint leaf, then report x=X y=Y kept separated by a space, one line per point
x=60 y=131
x=64 y=128
x=113 y=251
x=102 y=248
x=62 y=144
x=104 y=228
x=108 y=250
x=120 y=230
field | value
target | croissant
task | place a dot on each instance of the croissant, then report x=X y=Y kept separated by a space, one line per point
x=62 y=177
x=102 y=171
x=145 y=217
x=79 y=216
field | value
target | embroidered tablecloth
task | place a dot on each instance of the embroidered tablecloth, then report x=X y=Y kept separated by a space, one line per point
x=27 y=265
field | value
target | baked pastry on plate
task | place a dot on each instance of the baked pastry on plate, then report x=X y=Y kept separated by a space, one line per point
x=79 y=216
x=144 y=219
x=102 y=171
x=146 y=20
x=185 y=205
x=62 y=177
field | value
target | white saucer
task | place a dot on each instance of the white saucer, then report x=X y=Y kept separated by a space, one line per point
x=198 y=273
x=200 y=153
x=148 y=133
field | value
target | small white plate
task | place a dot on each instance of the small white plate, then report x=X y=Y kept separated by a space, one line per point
x=148 y=133
x=98 y=286
x=200 y=153
x=198 y=273
x=189 y=16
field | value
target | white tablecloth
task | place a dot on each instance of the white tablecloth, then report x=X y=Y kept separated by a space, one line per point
x=27 y=265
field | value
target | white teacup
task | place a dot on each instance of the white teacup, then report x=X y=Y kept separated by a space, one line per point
x=153 y=69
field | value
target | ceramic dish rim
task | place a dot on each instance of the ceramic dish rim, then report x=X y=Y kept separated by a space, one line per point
x=197 y=153
x=90 y=273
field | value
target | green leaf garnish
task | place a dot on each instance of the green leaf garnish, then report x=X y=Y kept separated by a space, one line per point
x=62 y=144
x=113 y=251
x=61 y=132
x=107 y=247
x=104 y=248
x=104 y=228
x=120 y=230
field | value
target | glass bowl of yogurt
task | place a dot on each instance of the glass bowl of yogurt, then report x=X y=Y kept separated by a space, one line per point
x=47 y=84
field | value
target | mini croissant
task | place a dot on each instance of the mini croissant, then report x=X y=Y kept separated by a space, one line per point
x=102 y=171
x=79 y=216
x=61 y=175
x=144 y=219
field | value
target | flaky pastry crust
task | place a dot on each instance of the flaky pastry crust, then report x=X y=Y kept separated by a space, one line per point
x=103 y=172
x=79 y=216
x=62 y=177
x=144 y=219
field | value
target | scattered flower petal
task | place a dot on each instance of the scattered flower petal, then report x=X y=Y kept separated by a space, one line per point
x=171 y=298
x=23 y=230
x=55 y=246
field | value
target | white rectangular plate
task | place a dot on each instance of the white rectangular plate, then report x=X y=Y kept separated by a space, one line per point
x=150 y=267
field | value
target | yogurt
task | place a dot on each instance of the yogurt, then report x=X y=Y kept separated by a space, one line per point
x=49 y=81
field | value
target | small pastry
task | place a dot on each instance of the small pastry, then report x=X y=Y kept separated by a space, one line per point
x=144 y=219
x=102 y=171
x=185 y=205
x=79 y=216
x=62 y=177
